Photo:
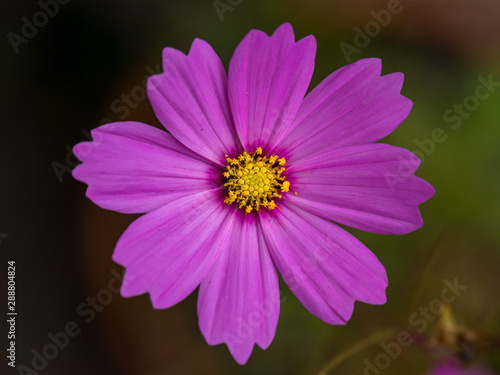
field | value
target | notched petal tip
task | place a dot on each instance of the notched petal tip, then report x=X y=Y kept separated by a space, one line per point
x=82 y=150
x=427 y=191
x=154 y=85
x=394 y=83
x=190 y=100
x=405 y=105
x=309 y=44
x=379 y=298
x=372 y=63
x=284 y=28
x=324 y=266
x=238 y=301
x=198 y=42
x=240 y=353
x=284 y=33
x=130 y=286
x=170 y=55
x=200 y=46
x=267 y=79
x=159 y=303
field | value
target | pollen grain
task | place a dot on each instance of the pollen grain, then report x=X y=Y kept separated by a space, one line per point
x=253 y=181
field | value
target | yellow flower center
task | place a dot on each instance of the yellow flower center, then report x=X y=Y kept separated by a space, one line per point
x=253 y=181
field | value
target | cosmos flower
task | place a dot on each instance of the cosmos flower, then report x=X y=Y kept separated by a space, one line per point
x=248 y=181
x=451 y=366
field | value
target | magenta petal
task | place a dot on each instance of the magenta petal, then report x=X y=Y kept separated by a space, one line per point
x=238 y=302
x=369 y=187
x=354 y=105
x=190 y=100
x=268 y=78
x=452 y=366
x=135 y=168
x=167 y=252
x=324 y=266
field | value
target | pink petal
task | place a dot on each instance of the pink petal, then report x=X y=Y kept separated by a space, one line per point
x=238 y=302
x=369 y=187
x=190 y=100
x=452 y=366
x=135 y=168
x=268 y=78
x=324 y=266
x=352 y=106
x=167 y=252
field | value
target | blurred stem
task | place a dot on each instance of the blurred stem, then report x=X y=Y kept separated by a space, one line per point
x=425 y=273
x=375 y=338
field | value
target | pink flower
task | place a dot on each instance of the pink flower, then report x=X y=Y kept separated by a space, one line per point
x=452 y=366
x=248 y=180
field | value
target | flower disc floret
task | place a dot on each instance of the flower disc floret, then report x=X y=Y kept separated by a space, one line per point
x=254 y=180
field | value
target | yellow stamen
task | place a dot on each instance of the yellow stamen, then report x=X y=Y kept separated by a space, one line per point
x=253 y=180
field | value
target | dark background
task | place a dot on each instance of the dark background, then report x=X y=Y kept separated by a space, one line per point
x=63 y=82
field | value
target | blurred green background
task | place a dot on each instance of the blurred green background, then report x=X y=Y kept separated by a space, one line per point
x=66 y=78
